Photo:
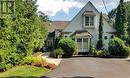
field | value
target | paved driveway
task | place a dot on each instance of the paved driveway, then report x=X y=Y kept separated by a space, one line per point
x=86 y=67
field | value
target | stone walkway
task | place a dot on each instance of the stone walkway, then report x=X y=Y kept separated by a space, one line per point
x=51 y=60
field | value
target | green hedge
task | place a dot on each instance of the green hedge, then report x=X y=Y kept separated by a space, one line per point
x=58 y=53
x=117 y=47
x=68 y=46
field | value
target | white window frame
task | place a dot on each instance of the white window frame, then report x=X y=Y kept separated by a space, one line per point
x=49 y=42
x=66 y=35
x=89 y=26
x=83 y=50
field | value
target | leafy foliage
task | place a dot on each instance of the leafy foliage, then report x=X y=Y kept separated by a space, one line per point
x=113 y=12
x=29 y=60
x=101 y=53
x=127 y=4
x=22 y=34
x=98 y=53
x=68 y=46
x=100 y=43
x=121 y=22
x=117 y=47
x=57 y=41
x=92 y=50
x=58 y=53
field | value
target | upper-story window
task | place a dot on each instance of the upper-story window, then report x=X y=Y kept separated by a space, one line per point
x=89 y=18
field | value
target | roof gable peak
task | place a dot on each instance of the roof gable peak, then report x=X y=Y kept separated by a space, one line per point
x=89 y=2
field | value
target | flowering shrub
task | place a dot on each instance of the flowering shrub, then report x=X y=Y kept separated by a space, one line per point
x=45 y=64
x=51 y=66
x=39 y=62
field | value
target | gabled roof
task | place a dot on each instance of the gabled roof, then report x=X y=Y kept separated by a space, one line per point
x=57 y=25
x=60 y=25
x=89 y=2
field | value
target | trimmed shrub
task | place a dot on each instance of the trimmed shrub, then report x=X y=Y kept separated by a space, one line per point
x=117 y=47
x=57 y=41
x=127 y=51
x=58 y=53
x=68 y=46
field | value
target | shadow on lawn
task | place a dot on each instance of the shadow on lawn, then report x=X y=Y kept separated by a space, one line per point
x=71 y=77
x=19 y=77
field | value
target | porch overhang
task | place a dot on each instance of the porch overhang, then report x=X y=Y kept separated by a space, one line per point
x=81 y=33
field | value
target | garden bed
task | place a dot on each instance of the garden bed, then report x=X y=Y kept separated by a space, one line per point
x=55 y=61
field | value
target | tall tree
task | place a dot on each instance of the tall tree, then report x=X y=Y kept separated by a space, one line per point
x=22 y=34
x=100 y=42
x=121 y=23
x=128 y=11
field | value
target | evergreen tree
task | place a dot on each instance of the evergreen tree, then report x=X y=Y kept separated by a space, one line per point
x=100 y=43
x=121 y=23
x=22 y=34
x=128 y=14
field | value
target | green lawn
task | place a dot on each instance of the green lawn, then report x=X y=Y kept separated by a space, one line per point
x=24 y=72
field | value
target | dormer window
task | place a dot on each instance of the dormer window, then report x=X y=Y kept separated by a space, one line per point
x=89 y=18
x=89 y=21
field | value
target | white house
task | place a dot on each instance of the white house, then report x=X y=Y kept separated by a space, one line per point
x=84 y=28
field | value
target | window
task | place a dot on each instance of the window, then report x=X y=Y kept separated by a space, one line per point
x=50 y=43
x=112 y=36
x=85 y=43
x=89 y=20
x=105 y=38
x=73 y=39
x=65 y=35
x=7 y=7
x=79 y=42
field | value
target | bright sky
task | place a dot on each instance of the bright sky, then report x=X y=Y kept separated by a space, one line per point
x=67 y=9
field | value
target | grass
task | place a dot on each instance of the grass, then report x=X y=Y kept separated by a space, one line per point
x=24 y=72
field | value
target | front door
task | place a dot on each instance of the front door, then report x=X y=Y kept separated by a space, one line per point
x=83 y=44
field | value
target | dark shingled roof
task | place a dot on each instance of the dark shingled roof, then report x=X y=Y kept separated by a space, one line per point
x=57 y=25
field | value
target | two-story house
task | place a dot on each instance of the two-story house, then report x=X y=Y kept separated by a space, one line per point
x=83 y=28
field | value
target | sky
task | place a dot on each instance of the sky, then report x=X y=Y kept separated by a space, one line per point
x=65 y=10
